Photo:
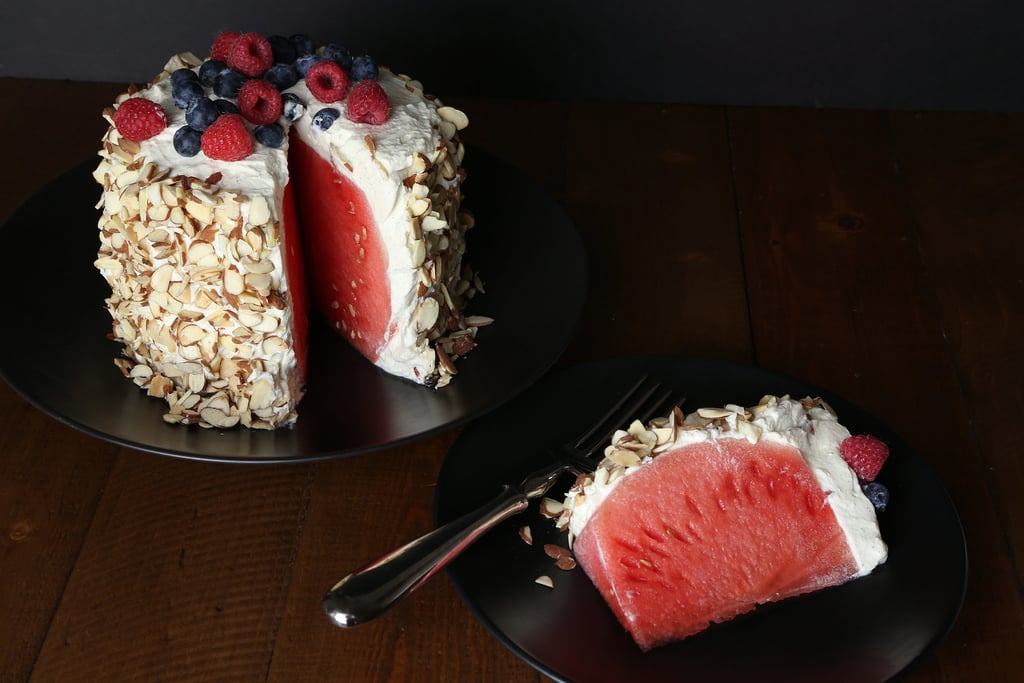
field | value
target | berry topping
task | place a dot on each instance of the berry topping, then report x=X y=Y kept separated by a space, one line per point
x=864 y=454
x=292 y=106
x=368 y=103
x=325 y=118
x=283 y=76
x=270 y=134
x=305 y=62
x=139 y=119
x=303 y=44
x=337 y=54
x=187 y=141
x=284 y=50
x=226 y=107
x=222 y=45
x=878 y=494
x=251 y=54
x=229 y=83
x=364 y=68
x=227 y=139
x=183 y=75
x=210 y=71
x=186 y=90
x=201 y=113
x=327 y=81
x=259 y=101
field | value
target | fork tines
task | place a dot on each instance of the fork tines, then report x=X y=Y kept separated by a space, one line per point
x=644 y=400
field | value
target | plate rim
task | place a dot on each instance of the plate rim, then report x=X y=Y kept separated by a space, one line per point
x=484 y=163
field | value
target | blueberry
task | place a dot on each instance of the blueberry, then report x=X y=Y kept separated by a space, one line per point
x=269 y=134
x=283 y=49
x=303 y=63
x=282 y=76
x=326 y=117
x=878 y=494
x=292 y=106
x=226 y=106
x=210 y=71
x=179 y=76
x=364 y=69
x=303 y=45
x=187 y=141
x=201 y=113
x=186 y=90
x=337 y=54
x=229 y=83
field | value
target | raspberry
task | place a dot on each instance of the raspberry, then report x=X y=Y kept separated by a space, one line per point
x=139 y=119
x=864 y=454
x=222 y=45
x=368 y=103
x=327 y=81
x=251 y=54
x=227 y=139
x=259 y=101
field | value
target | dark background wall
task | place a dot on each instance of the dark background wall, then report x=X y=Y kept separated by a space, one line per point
x=910 y=54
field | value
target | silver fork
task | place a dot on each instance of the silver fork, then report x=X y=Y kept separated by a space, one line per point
x=370 y=591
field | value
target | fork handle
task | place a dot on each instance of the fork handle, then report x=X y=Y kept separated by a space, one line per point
x=369 y=592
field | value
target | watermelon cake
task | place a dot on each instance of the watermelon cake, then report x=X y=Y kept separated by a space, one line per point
x=268 y=183
x=693 y=520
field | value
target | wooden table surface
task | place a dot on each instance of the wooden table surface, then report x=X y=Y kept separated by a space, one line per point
x=877 y=254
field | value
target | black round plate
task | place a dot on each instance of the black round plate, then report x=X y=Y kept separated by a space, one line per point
x=871 y=629
x=56 y=354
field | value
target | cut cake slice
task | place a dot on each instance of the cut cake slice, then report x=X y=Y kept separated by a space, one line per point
x=691 y=522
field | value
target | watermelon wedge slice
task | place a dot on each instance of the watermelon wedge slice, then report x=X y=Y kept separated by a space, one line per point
x=345 y=258
x=707 y=531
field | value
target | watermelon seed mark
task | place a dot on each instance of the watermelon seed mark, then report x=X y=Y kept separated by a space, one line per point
x=692 y=506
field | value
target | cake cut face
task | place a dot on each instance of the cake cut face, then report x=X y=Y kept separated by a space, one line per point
x=271 y=184
x=692 y=521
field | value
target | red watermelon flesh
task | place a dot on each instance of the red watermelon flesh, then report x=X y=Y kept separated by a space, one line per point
x=293 y=266
x=706 y=532
x=345 y=257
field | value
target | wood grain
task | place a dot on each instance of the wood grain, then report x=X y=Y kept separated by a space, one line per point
x=877 y=254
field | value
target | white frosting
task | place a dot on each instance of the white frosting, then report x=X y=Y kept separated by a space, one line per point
x=412 y=128
x=813 y=430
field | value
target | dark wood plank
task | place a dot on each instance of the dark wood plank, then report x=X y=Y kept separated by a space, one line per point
x=839 y=296
x=51 y=480
x=362 y=508
x=183 y=575
x=51 y=476
x=650 y=189
x=963 y=175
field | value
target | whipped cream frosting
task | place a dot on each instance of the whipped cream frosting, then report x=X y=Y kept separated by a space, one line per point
x=413 y=128
x=808 y=425
x=156 y=202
